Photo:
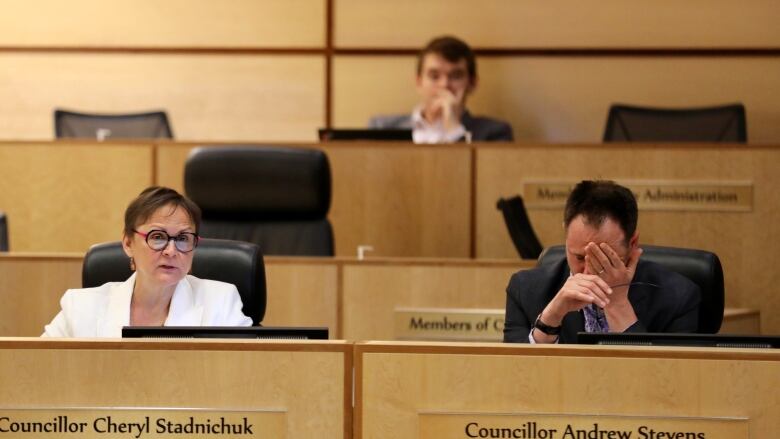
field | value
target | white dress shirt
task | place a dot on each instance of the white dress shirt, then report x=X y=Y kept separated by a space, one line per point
x=426 y=132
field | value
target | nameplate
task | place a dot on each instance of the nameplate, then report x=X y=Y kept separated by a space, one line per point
x=452 y=324
x=140 y=423
x=654 y=195
x=466 y=426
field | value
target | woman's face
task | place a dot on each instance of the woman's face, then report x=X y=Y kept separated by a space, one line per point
x=166 y=267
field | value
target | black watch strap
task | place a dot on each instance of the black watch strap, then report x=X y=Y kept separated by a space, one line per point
x=547 y=329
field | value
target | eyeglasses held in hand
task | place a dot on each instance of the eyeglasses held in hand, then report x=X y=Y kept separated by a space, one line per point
x=157 y=240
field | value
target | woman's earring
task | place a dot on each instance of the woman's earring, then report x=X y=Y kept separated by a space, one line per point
x=132 y=264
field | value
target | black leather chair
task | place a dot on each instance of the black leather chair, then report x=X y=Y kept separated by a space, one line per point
x=519 y=226
x=275 y=197
x=235 y=262
x=3 y=232
x=700 y=266
x=152 y=125
x=627 y=123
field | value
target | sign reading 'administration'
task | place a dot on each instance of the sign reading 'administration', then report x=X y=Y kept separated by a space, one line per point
x=140 y=423
x=562 y=426
x=654 y=195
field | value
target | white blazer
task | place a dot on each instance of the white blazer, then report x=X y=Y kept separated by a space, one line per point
x=103 y=311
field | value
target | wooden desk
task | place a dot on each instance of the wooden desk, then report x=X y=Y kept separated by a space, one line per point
x=310 y=383
x=399 y=384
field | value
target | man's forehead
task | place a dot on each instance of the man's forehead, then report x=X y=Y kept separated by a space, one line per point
x=609 y=231
x=438 y=62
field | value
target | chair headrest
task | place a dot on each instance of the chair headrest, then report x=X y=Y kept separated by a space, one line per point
x=267 y=182
x=235 y=262
x=700 y=266
x=148 y=125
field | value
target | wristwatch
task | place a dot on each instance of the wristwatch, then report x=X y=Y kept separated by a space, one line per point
x=547 y=329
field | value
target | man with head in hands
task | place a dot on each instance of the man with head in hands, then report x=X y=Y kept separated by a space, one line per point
x=446 y=76
x=602 y=285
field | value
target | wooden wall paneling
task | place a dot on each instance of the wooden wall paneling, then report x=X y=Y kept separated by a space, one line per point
x=372 y=291
x=66 y=197
x=168 y=23
x=569 y=23
x=306 y=380
x=739 y=238
x=566 y=99
x=209 y=97
x=396 y=382
x=31 y=287
x=366 y=86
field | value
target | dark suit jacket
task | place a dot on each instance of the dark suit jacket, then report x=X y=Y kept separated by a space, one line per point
x=672 y=305
x=481 y=128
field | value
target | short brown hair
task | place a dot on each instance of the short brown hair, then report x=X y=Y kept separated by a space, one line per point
x=153 y=198
x=601 y=199
x=453 y=50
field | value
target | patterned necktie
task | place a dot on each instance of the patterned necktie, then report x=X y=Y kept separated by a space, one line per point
x=595 y=319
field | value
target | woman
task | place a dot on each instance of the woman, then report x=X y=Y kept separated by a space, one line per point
x=160 y=236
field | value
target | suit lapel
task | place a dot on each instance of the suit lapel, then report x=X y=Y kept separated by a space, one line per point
x=638 y=295
x=117 y=313
x=183 y=310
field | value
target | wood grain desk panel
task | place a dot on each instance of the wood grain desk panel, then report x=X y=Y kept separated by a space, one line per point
x=311 y=381
x=64 y=197
x=31 y=287
x=402 y=199
x=372 y=291
x=395 y=381
x=303 y=292
x=741 y=321
x=740 y=239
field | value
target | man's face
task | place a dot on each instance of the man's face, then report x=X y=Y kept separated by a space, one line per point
x=438 y=74
x=580 y=233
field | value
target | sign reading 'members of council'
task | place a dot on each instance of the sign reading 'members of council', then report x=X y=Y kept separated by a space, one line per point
x=654 y=194
x=138 y=423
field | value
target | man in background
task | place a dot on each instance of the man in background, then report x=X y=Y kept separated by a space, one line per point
x=446 y=76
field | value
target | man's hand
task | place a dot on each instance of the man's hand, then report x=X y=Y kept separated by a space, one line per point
x=605 y=283
x=446 y=107
x=603 y=261
x=579 y=291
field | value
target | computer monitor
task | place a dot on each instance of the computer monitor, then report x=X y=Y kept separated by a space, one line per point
x=677 y=339
x=256 y=332
x=328 y=134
